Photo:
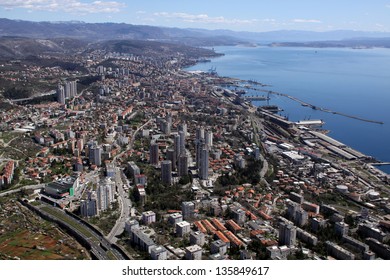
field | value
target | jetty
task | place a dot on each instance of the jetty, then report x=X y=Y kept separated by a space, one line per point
x=254 y=86
x=380 y=163
x=256 y=98
x=314 y=107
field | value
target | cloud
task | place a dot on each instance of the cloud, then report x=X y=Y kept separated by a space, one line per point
x=299 y=20
x=268 y=20
x=69 y=6
x=202 y=18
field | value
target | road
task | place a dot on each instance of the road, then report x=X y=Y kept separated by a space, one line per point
x=123 y=197
x=100 y=246
x=256 y=124
x=125 y=205
x=30 y=187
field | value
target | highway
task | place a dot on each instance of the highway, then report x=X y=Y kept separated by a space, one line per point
x=100 y=246
x=125 y=205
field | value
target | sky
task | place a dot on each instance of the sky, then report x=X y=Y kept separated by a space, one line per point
x=238 y=15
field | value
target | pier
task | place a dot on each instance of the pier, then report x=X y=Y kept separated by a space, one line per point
x=380 y=163
x=256 y=98
x=314 y=107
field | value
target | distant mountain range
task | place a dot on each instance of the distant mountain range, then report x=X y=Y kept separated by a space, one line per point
x=294 y=35
x=23 y=38
x=358 y=43
x=110 y=31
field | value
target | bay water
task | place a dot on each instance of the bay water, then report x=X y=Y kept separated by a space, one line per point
x=351 y=81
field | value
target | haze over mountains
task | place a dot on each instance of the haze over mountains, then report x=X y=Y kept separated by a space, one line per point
x=49 y=36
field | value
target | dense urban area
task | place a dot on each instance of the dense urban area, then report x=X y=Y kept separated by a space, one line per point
x=125 y=155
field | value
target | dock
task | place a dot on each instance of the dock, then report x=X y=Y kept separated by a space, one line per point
x=380 y=163
x=314 y=107
x=256 y=98
x=303 y=103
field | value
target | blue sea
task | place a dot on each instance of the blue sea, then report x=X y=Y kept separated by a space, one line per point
x=350 y=81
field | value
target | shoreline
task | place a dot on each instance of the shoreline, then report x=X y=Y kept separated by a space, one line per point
x=252 y=108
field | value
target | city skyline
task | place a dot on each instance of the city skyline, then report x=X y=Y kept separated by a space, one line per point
x=249 y=15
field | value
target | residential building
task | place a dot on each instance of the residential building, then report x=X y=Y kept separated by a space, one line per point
x=158 y=253
x=338 y=252
x=182 y=165
x=238 y=215
x=166 y=172
x=154 y=154
x=175 y=218
x=218 y=246
x=88 y=208
x=148 y=217
x=133 y=169
x=188 y=210
x=197 y=237
x=194 y=252
x=183 y=228
x=204 y=163
x=287 y=234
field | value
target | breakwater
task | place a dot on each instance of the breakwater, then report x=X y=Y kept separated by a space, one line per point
x=306 y=104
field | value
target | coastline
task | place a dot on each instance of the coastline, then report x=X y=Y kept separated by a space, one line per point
x=224 y=64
